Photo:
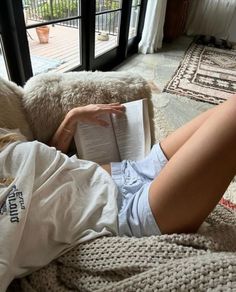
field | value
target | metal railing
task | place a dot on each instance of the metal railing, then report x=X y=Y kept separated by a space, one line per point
x=46 y=10
x=108 y=22
x=43 y=10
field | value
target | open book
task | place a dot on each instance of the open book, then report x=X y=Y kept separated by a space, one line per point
x=126 y=137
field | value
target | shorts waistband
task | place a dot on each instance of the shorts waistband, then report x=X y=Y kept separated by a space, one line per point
x=116 y=173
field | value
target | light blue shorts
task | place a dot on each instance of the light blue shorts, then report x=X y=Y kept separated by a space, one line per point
x=133 y=179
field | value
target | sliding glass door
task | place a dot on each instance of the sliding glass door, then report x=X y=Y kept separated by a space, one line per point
x=4 y=73
x=53 y=34
x=107 y=25
x=134 y=18
x=116 y=28
x=41 y=36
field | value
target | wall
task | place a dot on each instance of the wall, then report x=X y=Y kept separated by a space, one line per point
x=232 y=30
x=213 y=17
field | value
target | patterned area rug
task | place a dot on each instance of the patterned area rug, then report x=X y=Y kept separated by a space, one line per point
x=206 y=73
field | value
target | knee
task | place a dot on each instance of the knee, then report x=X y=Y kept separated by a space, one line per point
x=233 y=96
x=231 y=106
x=232 y=100
x=226 y=115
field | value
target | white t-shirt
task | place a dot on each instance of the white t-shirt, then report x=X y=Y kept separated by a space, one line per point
x=52 y=203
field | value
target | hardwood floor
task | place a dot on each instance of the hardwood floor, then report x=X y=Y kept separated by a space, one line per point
x=64 y=45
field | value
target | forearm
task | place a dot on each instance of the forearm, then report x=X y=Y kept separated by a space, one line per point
x=64 y=134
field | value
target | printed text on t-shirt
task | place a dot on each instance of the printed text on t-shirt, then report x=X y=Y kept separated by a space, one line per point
x=14 y=201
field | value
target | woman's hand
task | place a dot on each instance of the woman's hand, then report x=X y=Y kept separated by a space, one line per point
x=92 y=113
x=88 y=114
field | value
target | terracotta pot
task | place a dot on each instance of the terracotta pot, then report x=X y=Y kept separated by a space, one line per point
x=43 y=34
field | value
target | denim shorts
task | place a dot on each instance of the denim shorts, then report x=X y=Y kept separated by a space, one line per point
x=133 y=179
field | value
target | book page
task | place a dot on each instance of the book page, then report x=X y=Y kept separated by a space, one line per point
x=96 y=143
x=146 y=128
x=132 y=130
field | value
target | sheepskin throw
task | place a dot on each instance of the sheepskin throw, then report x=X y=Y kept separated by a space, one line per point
x=54 y=94
x=186 y=262
x=12 y=114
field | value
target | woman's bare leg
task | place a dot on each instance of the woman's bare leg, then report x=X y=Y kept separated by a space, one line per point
x=175 y=140
x=198 y=172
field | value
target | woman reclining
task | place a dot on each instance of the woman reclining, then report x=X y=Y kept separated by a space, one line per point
x=50 y=202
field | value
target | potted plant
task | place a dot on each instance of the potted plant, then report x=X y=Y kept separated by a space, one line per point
x=43 y=34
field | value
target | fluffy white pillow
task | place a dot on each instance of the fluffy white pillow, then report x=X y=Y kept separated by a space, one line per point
x=49 y=96
x=12 y=115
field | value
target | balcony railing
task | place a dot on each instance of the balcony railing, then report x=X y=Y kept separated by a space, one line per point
x=43 y=10
x=46 y=10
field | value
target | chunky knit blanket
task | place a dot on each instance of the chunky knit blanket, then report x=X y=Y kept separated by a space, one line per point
x=205 y=261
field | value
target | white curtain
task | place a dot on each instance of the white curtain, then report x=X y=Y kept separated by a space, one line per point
x=153 y=26
x=211 y=17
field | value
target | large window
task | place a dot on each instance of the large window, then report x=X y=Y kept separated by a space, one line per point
x=65 y=35
x=54 y=44
x=3 y=64
x=134 y=18
x=107 y=25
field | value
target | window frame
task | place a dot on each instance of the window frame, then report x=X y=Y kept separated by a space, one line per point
x=14 y=37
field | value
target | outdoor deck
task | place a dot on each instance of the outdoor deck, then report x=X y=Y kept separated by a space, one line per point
x=62 y=52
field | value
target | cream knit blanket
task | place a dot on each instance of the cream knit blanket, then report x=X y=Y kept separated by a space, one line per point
x=186 y=262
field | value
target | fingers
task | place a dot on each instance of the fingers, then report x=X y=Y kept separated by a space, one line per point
x=93 y=113
x=98 y=121
x=101 y=122
x=115 y=105
x=112 y=103
x=112 y=109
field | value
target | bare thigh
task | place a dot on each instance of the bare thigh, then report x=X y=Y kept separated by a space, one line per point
x=197 y=174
